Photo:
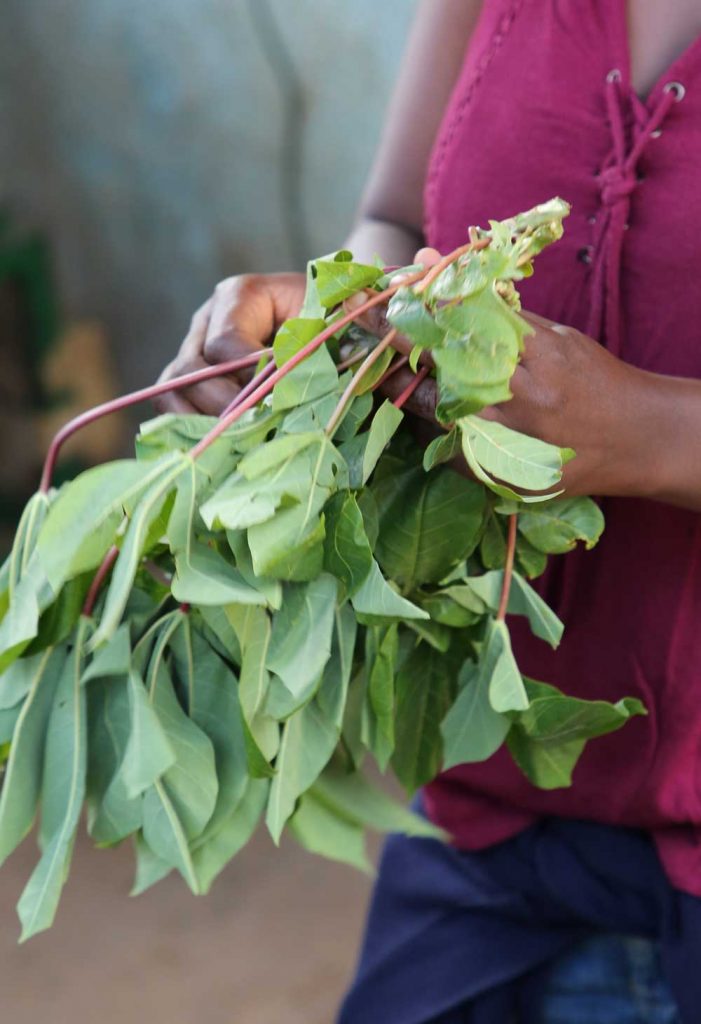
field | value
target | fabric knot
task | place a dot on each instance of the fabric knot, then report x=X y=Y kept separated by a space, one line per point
x=616 y=184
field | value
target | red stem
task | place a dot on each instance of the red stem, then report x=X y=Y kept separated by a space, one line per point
x=508 y=568
x=98 y=579
x=250 y=387
x=411 y=387
x=125 y=401
x=438 y=268
x=397 y=365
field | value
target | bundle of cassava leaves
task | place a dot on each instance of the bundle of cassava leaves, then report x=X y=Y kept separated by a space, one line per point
x=223 y=627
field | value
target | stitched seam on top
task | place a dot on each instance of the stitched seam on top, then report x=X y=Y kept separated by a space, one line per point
x=450 y=131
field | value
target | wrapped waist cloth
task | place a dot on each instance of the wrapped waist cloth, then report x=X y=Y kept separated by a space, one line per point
x=471 y=936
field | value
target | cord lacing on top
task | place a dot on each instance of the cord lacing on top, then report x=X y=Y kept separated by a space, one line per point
x=617 y=180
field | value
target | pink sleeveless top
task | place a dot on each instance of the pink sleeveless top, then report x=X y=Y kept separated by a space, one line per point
x=544 y=107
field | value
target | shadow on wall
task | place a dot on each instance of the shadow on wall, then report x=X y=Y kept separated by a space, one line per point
x=166 y=145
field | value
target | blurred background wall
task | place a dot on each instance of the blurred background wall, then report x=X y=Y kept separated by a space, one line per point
x=166 y=144
x=148 y=149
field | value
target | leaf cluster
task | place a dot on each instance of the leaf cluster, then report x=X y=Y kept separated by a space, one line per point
x=306 y=593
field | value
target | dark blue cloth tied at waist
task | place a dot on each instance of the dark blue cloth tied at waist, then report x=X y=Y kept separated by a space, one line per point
x=470 y=936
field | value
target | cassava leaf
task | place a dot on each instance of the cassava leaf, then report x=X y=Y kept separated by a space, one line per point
x=555 y=526
x=63 y=789
x=24 y=771
x=429 y=526
x=548 y=738
x=472 y=730
x=497 y=453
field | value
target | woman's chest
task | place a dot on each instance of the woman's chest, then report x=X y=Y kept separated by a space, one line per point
x=544 y=107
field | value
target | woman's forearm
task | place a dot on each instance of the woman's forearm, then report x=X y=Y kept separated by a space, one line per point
x=671 y=455
x=394 y=244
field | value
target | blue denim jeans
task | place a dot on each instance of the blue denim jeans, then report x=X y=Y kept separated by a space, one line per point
x=607 y=980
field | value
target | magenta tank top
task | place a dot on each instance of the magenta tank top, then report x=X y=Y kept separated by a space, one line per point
x=544 y=107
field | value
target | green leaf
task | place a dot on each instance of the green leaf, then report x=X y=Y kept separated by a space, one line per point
x=381 y=660
x=269 y=588
x=290 y=546
x=308 y=741
x=506 y=689
x=213 y=705
x=63 y=789
x=353 y=797
x=30 y=524
x=376 y=600
x=300 y=644
x=253 y=629
x=431 y=524
x=114 y=659
x=425 y=690
x=127 y=563
x=384 y=426
x=20 y=623
x=19 y=679
x=347 y=554
x=217 y=846
x=321 y=829
x=164 y=834
x=82 y=522
x=202 y=575
x=530 y=561
x=112 y=813
x=24 y=771
x=314 y=377
x=523 y=600
x=411 y=317
x=149 y=753
x=497 y=453
x=472 y=730
x=554 y=527
x=336 y=281
x=548 y=738
x=443 y=448
x=493 y=543
x=150 y=869
x=191 y=782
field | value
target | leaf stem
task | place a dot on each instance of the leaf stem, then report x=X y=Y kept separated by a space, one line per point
x=98 y=579
x=508 y=567
x=250 y=387
x=396 y=366
x=347 y=396
x=143 y=395
x=411 y=387
x=473 y=246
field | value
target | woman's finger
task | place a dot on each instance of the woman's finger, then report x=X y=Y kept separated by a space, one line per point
x=422 y=402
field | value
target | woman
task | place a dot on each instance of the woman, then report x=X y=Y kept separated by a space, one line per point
x=599 y=102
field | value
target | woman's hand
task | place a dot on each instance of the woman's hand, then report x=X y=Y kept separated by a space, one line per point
x=570 y=391
x=241 y=316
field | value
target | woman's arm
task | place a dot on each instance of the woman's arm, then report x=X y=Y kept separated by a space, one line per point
x=246 y=310
x=390 y=215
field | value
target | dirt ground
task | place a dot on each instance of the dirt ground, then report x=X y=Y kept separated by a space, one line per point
x=273 y=943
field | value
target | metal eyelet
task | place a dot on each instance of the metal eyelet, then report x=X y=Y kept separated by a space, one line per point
x=585 y=255
x=677 y=88
x=614 y=75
